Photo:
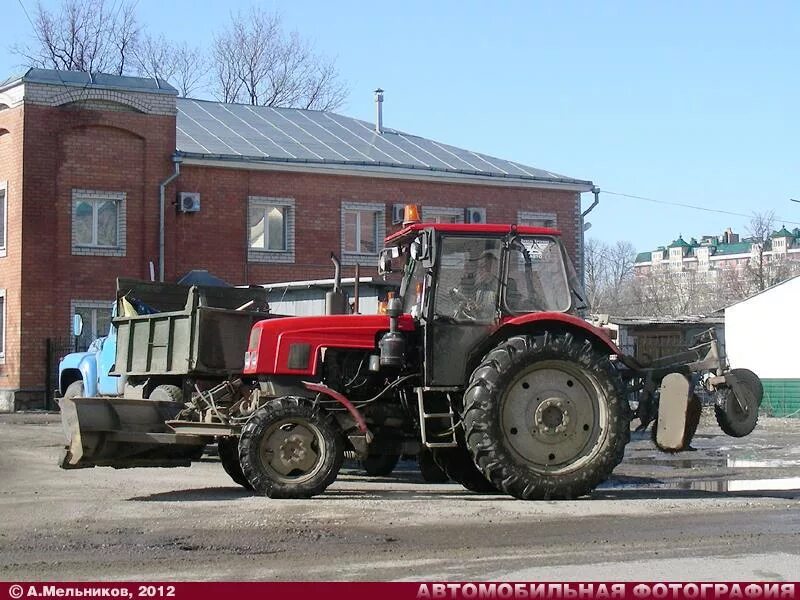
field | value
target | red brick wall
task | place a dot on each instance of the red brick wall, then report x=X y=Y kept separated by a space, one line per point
x=11 y=135
x=216 y=237
x=68 y=149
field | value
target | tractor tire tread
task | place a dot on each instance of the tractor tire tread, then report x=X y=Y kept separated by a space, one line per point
x=481 y=426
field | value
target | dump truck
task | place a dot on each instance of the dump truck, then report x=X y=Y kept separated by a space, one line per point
x=163 y=368
x=484 y=359
x=166 y=342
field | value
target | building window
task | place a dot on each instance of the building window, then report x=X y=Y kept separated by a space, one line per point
x=363 y=230
x=438 y=214
x=270 y=229
x=537 y=219
x=2 y=326
x=3 y=216
x=98 y=223
x=96 y=316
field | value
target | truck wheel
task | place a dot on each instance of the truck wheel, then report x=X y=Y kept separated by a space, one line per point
x=380 y=465
x=166 y=393
x=458 y=465
x=228 y=449
x=74 y=390
x=430 y=471
x=289 y=450
x=546 y=416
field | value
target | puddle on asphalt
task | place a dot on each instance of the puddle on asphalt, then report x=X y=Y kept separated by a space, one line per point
x=678 y=463
x=705 y=462
x=746 y=463
x=738 y=485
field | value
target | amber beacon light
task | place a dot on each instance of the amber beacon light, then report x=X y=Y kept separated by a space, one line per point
x=411 y=214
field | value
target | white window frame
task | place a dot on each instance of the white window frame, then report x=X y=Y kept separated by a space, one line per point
x=3 y=324
x=524 y=217
x=4 y=202
x=430 y=214
x=94 y=306
x=349 y=257
x=95 y=198
x=265 y=254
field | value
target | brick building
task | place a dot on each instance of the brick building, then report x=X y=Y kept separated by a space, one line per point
x=253 y=194
x=713 y=255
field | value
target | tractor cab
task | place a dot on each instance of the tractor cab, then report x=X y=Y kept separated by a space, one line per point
x=462 y=283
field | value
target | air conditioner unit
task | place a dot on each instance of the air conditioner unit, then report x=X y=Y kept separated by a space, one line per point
x=398 y=213
x=475 y=215
x=189 y=202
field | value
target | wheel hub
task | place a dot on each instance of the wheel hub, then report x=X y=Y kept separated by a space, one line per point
x=293 y=450
x=551 y=417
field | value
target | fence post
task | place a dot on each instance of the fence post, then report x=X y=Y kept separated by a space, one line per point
x=48 y=377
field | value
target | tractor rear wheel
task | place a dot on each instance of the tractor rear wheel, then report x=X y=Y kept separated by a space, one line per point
x=546 y=416
x=290 y=450
x=228 y=450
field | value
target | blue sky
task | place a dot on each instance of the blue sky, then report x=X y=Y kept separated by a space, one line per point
x=686 y=102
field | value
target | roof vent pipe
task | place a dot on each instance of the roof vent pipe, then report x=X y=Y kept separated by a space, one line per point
x=379 y=110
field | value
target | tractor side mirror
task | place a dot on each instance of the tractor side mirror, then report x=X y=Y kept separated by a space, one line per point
x=421 y=249
x=77 y=325
x=385 y=260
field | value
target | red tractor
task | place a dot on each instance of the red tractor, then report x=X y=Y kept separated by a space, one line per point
x=482 y=361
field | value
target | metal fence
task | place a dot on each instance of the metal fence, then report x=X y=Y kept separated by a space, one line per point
x=55 y=351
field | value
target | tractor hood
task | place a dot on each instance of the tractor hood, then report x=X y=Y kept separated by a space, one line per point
x=292 y=345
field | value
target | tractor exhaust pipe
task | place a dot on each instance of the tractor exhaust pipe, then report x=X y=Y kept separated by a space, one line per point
x=335 y=302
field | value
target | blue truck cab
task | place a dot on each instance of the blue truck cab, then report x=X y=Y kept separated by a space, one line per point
x=87 y=374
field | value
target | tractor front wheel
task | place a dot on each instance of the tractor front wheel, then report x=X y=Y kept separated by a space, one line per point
x=546 y=416
x=288 y=449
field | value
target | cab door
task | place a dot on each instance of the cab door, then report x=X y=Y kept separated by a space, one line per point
x=462 y=308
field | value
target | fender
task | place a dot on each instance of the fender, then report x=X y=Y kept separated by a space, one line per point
x=542 y=318
x=86 y=364
x=88 y=369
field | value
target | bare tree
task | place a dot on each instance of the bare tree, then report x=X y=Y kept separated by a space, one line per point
x=608 y=275
x=595 y=274
x=178 y=64
x=255 y=62
x=759 y=230
x=83 y=35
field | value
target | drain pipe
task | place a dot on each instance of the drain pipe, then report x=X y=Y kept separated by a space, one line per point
x=161 y=191
x=596 y=192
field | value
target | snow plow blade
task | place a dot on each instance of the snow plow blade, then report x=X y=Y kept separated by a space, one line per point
x=124 y=433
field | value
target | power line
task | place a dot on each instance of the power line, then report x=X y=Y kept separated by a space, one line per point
x=694 y=207
x=25 y=10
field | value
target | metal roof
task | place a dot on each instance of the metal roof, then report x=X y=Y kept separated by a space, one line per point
x=91 y=80
x=260 y=134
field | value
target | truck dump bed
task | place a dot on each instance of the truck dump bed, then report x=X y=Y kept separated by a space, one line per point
x=196 y=331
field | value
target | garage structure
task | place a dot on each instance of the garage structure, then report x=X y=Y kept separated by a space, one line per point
x=252 y=194
x=762 y=334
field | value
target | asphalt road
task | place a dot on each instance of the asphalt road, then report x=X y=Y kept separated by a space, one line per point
x=728 y=510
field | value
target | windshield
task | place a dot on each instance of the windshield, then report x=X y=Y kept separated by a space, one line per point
x=536 y=276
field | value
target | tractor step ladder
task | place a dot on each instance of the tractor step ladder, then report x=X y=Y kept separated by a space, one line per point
x=425 y=417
